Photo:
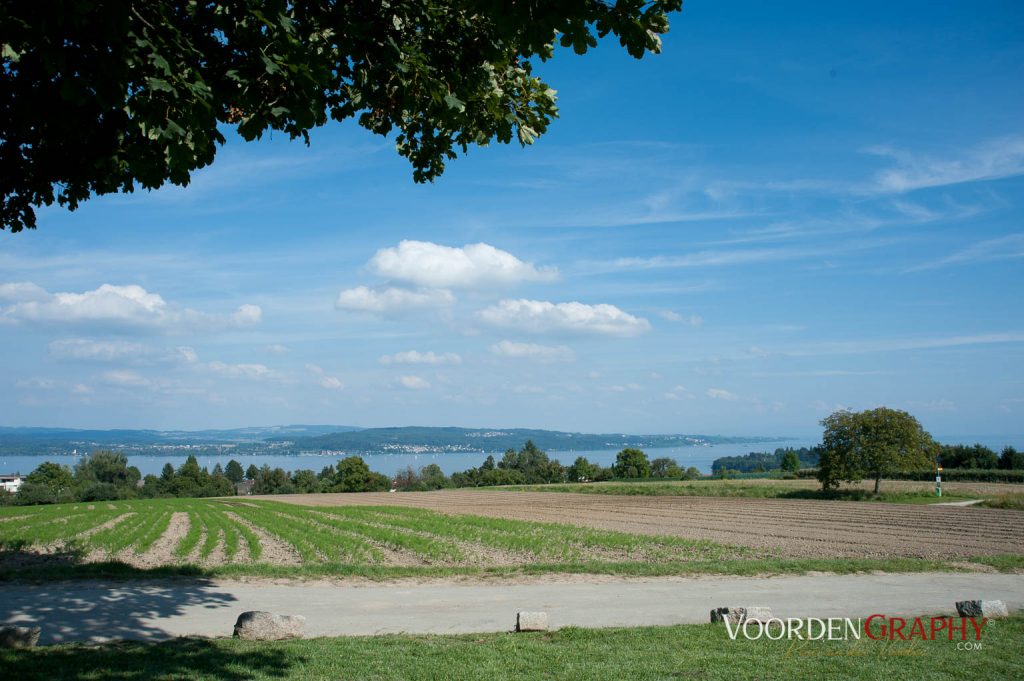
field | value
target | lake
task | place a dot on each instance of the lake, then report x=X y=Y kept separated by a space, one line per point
x=389 y=464
x=451 y=462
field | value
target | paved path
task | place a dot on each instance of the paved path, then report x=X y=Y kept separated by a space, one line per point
x=93 y=611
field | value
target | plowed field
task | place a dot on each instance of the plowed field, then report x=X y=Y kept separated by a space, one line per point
x=791 y=528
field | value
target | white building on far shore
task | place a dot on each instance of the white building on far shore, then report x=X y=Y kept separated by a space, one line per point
x=11 y=483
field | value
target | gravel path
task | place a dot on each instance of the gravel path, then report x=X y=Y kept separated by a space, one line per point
x=789 y=527
x=90 y=611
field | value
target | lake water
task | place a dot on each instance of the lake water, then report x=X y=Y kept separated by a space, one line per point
x=389 y=464
x=451 y=462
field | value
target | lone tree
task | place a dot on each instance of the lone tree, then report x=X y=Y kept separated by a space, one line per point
x=872 y=444
x=631 y=463
x=102 y=97
x=790 y=462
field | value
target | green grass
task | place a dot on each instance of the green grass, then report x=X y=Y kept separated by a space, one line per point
x=1012 y=501
x=744 y=489
x=692 y=651
x=377 y=543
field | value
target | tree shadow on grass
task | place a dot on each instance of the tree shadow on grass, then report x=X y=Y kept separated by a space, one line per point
x=133 y=661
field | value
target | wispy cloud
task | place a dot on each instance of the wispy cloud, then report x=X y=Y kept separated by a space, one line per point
x=901 y=344
x=990 y=160
x=1008 y=247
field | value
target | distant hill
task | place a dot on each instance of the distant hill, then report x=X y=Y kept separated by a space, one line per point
x=42 y=441
x=431 y=439
x=298 y=439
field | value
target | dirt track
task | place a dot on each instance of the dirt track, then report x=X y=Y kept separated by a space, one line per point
x=789 y=528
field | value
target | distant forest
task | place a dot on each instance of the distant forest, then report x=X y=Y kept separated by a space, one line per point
x=759 y=462
x=958 y=456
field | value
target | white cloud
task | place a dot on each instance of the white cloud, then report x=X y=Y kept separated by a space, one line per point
x=540 y=353
x=413 y=382
x=680 y=392
x=331 y=383
x=670 y=315
x=991 y=160
x=391 y=299
x=696 y=321
x=323 y=380
x=415 y=357
x=115 y=307
x=22 y=291
x=277 y=348
x=89 y=350
x=720 y=394
x=252 y=371
x=126 y=379
x=546 y=317
x=435 y=266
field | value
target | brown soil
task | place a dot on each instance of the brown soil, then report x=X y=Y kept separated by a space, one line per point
x=162 y=550
x=786 y=527
x=273 y=550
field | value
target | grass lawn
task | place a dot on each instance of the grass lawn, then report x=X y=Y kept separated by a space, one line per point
x=679 y=652
x=1002 y=495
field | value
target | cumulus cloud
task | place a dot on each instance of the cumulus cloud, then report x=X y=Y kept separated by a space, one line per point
x=541 y=316
x=89 y=350
x=323 y=380
x=251 y=371
x=113 y=307
x=693 y=320
x=125 y=379
x=720 y=394
x=413 y=382
x=680 y=392
x=540 y=353
x=414 y=357
x=435 y=266
x=391 y=299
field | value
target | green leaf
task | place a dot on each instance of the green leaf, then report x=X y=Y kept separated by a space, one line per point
x=454 y=102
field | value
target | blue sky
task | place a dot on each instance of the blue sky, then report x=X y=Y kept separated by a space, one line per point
x=795 y=208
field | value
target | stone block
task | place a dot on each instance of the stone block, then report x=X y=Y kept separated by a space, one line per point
x=256 y=625
x=532 y=621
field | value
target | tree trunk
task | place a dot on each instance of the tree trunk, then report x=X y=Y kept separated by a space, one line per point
x=878 y=483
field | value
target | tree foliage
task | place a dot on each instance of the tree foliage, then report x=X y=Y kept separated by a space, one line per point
x=233 y=471
x=790 y=462
x=101 y=97
x=665 y=467
x=871 y=444
x=631 y=463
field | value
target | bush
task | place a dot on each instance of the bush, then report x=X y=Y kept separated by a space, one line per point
x=102 y=491
x=31 y=493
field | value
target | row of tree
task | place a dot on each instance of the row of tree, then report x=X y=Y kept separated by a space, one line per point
x=107 y=476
